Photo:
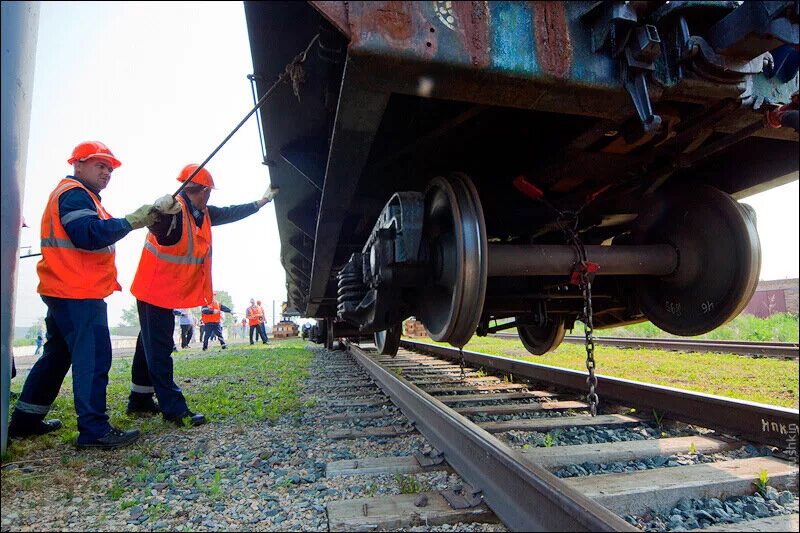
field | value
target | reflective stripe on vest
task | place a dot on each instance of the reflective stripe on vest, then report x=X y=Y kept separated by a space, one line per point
x=66 y=271
x=179 y=275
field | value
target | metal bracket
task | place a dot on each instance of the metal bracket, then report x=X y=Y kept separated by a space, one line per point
x=616 y=28
x=643 y=47
x=463 y=496
x=432 y=457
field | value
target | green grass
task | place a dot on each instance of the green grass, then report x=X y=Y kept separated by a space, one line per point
x=771 y=381
x=780 y=327
x=242 y=385
x=24 y=342
x=409 y=484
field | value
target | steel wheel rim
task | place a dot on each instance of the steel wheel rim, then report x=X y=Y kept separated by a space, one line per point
x=387 y=341
x=454 y=232
x=539 y=340
x=705 y=226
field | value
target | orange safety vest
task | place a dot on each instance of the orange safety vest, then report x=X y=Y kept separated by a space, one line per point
x=66 y=271
x=216 y=317
x=253 y=315
x=179 y=275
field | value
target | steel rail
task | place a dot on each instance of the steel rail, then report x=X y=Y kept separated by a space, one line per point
x=525 y=496
x=789 y=350
x=768 y=424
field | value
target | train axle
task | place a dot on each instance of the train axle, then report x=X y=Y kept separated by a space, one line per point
x=429 y=256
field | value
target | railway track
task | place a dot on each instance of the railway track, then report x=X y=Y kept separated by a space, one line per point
x=782 y=350
x=519 y=436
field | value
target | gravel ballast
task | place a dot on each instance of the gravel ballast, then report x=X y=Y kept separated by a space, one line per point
x=223 y=476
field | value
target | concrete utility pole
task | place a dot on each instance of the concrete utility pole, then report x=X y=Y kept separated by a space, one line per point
x=273 y=313
x=20 y=28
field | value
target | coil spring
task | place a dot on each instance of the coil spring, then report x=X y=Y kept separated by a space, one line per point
x=351 y=287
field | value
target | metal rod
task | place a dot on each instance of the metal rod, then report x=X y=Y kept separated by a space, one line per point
x=556 y=259
x=282 y=77
x=217 y=149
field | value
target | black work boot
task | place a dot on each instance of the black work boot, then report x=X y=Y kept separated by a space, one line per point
x=142 y=404
x=115 y=438
x=27 y=424
x=187 y=418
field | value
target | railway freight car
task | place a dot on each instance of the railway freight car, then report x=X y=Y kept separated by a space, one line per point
x=484 y=165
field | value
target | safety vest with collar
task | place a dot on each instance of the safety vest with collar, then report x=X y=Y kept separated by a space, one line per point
x=178 y=275
x=215 y=317
x=253 y=315
x=66 y=271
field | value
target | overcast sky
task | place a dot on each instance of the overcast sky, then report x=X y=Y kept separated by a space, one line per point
x=162 y=84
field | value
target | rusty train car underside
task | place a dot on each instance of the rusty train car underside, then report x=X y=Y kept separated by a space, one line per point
x=467 y=162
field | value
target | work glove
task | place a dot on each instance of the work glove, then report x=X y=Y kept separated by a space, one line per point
x=271 y=193
x=167 y=205
x=144 y=216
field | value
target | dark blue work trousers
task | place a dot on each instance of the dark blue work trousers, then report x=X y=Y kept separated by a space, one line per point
x=152 y=368
x=77 y=335
x=213 y=329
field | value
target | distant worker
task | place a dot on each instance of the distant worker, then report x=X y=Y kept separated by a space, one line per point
x=185 y=319
x=213 y=317
x=254 y=319
x=262 y=327
x=244 y=328
x=39 y=341
x=76 y=273
x=175 y=272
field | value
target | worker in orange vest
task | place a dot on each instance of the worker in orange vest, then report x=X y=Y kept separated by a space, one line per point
x=174 y=272
x=213 y=317
x=76 y=272
x=254 y=319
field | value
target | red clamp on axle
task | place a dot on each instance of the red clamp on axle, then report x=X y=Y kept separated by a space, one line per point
x=589 y=268
x=528 y=189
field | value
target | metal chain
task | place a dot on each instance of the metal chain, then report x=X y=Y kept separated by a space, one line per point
x=588 y=330
x=461 y=353
x=568 y=221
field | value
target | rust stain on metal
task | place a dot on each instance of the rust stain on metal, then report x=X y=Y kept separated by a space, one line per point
x=553 y=44
x=474 y=21
x=336 y=13
x=392 y=19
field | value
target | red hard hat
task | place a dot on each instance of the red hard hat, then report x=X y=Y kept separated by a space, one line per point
x=88 y=149
x=202 y=178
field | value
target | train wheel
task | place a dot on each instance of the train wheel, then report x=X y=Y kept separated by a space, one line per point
x=454 y=232
x=719 y=259
x=539 y=340
x=388 y=341
x=329 y=338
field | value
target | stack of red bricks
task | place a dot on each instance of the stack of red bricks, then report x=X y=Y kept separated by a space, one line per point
x=414 y=328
